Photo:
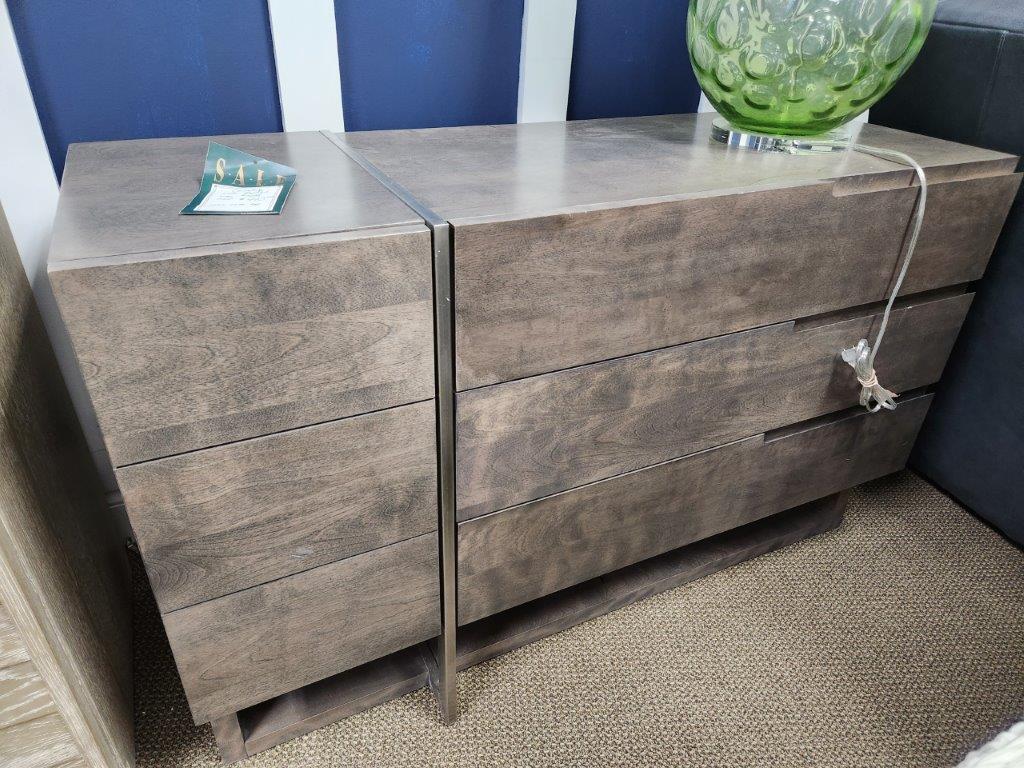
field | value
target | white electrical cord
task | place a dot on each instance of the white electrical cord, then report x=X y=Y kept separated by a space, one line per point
x=862 y=357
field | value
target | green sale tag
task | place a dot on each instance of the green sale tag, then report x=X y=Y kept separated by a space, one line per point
x=237 y=182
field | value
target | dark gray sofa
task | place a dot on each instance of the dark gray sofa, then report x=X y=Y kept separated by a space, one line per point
x=968 y=86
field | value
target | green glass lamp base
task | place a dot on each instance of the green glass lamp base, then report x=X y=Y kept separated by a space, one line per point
x=725 y=133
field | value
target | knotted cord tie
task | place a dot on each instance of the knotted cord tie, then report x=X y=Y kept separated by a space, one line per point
x=860 y=358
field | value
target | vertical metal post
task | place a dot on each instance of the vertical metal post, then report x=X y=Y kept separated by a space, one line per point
x=442 y=663
x=444 y=682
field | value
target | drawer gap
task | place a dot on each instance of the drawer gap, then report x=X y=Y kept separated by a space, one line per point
x=265 y=435
x=876 y=307
x=834 y=418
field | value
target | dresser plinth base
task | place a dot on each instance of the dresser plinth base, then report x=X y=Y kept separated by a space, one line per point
x=230 y=741
x=527 y=623
x=313 y=706
x=286 y=717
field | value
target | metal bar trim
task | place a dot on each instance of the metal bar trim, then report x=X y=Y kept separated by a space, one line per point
x=443 y=675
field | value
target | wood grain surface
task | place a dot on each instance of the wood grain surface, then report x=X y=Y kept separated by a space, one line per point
x=963 y=221
x=541 y=294
x=591 y=239
x=532 y=550
x=184 y=353
x=63 y=567
x=250 y=646
x=110 y=205
x=529 y=622
x=536 y=169
x=12 y=648
x=43 y=742
x=223 y=519
x=525 y=439
x=23 y=695
x=536 y=295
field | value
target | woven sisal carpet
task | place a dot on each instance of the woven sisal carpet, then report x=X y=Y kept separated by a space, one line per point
x=897 y=640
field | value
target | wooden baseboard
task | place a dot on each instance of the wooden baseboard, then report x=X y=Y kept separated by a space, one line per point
x=314 y=706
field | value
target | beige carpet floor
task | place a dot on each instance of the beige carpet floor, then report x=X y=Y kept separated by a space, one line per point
x=897 y=640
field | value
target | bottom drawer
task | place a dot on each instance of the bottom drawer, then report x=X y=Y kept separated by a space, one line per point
x=531 y=550
x=244 y=648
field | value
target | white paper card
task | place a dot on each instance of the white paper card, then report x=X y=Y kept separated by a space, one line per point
x=226 y=198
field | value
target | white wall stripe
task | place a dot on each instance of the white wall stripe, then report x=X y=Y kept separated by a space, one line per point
x=306 y=55
x=545 y=59
x=28 y=185
x=28 y=192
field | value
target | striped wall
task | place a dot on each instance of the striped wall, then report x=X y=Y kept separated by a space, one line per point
x=629 y=59
x=91 y=70
x=111 y=69
x=428 y=63
x=114 y=69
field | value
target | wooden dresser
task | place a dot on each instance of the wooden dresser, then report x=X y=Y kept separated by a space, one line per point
x=638 y=381
x=265 y=388
x=647 y=328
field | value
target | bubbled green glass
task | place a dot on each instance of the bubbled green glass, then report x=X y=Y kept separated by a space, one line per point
x=802 y=67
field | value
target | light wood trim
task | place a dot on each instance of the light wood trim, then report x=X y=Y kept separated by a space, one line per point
x=63 y=571
x=12 y=649
x=43 y=742
x=23 y=695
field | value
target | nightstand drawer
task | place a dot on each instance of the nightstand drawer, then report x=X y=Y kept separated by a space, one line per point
x=510 y=557
x=522 y=440
x=238 y=650
x=184 y=353
x=223 y=519
x=540 y=294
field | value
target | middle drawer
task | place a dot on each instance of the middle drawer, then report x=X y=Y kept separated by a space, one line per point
x=525 y=439
x=219 y=520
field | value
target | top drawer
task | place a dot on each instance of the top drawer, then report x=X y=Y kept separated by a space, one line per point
x=231 y=343
x=534 y=295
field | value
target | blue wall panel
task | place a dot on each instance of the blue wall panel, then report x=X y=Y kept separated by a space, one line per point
x=428 y=63
x=629 y=58
x=129 y=69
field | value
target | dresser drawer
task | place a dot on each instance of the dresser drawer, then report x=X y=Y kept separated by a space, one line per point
x=238 y=650
x=540 y=294
x=223 y=519
x=523 y=553
x=525 y=439
x=226 y=344
x=963 y=221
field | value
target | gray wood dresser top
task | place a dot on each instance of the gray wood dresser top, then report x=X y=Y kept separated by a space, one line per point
x=645 y=331
x=123 y=197
x=512 y=171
